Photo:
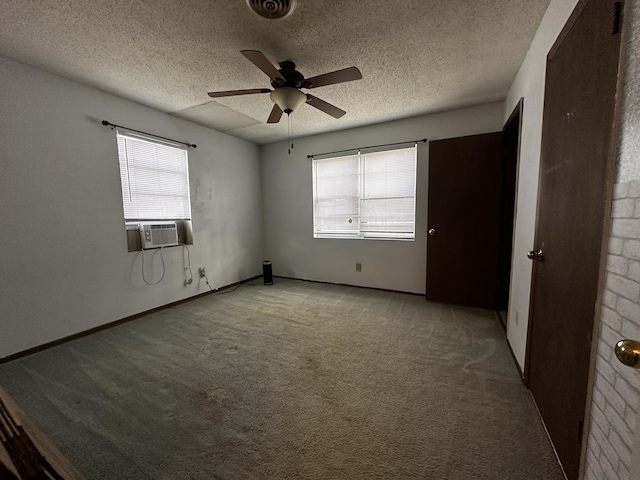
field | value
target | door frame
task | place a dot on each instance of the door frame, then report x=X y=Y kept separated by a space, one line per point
x=516 y=113
x=610 y=177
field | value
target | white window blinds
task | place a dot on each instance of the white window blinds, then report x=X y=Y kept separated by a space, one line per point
x=155 y=179
x=335 y=192
x=387 y=203
x=365 y=196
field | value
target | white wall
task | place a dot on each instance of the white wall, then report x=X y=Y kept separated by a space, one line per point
x=287 y=205
x=65 y=266
x=529 y=84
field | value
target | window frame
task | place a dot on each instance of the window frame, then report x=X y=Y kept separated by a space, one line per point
x=183 y=174
x=359 y=234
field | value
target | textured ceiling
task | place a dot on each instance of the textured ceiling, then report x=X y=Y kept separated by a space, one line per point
x=416 y=57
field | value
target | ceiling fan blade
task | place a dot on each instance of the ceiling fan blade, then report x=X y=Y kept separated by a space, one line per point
x=326 y=107
x=339 y=76
x=263 y=63
x=276 y=113
x=231 y=93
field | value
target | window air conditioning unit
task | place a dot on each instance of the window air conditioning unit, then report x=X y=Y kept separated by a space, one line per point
x=158 y=234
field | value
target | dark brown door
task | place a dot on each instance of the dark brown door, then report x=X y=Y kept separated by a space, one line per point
x=464 y=219
x=576 y=164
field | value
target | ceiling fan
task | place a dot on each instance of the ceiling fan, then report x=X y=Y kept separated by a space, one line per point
x=287 y=83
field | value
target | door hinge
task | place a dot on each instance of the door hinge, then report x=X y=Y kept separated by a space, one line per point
x=617 y=18
x=580 y=432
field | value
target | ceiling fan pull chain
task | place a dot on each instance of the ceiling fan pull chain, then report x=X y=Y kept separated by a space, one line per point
x=289 y=136
x=289 y=132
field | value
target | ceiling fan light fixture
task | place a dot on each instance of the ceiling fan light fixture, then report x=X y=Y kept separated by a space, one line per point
x=288 y=98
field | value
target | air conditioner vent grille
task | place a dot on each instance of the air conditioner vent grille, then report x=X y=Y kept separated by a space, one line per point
x=155 y=235
x=272 y=9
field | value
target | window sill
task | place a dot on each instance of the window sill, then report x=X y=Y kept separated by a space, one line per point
x=352 y=237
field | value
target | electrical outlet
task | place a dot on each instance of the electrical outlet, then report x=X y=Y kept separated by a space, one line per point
x=203 y=271
x=358 y=267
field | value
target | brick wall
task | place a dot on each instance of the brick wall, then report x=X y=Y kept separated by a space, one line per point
x=616 y=392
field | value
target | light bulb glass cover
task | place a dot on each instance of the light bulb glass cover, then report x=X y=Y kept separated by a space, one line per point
x=288 y=98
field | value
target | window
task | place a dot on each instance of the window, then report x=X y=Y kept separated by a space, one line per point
x=366 y=195
x=154 y=177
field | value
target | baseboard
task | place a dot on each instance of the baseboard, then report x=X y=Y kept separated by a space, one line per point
x=349 y=285
x=115 y=323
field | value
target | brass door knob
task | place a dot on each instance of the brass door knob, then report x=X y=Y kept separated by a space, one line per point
x=628 y=352
x=534 y=255
x=432 y=232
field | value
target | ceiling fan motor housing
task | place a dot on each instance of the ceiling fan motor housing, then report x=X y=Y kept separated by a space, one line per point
x=293 y=78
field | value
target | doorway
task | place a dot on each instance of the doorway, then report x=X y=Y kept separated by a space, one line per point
x=510 y=160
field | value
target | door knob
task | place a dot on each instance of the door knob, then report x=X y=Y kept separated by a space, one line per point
x=534 y=255
x=432 y=232
x=628 y=352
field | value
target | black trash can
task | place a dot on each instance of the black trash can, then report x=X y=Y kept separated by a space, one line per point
x=267 y=273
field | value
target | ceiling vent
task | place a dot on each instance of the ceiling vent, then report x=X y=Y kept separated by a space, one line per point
x=272 y=9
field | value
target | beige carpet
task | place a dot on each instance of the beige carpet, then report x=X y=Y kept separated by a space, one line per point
x=294 y=380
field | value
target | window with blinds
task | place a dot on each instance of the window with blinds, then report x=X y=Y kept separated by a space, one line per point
x=368 y=195
x=154 y=177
